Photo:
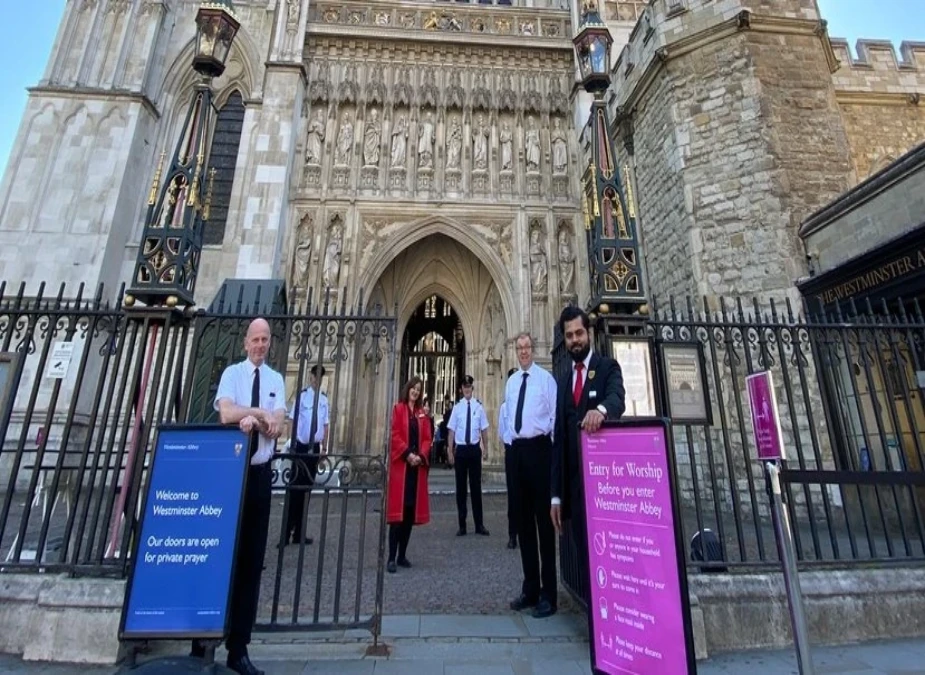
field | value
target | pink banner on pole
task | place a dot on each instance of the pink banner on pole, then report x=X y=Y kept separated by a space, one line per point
x=639 y=613
x=765 y=418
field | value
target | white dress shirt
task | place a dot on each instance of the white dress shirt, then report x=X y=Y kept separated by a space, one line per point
x=539 y=411
x=306 y=410
x=457 y=423
x=236 y=385
x=504 y=424
x=584 y=379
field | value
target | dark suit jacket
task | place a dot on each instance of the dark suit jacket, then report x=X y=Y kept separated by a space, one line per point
x=605 y=388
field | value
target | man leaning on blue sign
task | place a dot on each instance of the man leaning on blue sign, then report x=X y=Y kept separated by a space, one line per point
x=253 y=396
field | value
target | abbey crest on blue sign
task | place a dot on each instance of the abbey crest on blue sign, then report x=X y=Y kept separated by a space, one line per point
x=183 y=560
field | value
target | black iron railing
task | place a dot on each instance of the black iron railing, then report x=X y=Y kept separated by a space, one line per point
x=84 y=384
x=850 y=385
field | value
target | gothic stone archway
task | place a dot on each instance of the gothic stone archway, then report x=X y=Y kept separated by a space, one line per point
x=439 y=265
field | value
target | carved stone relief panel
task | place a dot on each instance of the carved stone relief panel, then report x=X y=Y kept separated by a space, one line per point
x=330 y=271
x=565 y=254
x=303 y=245
x=539 y=263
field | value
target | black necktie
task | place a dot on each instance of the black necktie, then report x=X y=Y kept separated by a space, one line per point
x=255 y=403
x=519 y=415
x=468 y=421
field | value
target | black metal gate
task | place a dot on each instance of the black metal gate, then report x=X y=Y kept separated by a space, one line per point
x=77 y=424
x=850 y=383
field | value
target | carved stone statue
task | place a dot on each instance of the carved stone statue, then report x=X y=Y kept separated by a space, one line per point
x=480 y=144
x=566 y=261
x=532 y=142
x=507 y=153
x=315 y=141
x=371 y=140
x=539 y=267
x=426 y=142
x=303 y=250
x=454 y=145
x=494 y=326
x=331 y=270
x=399 y=143
x=559 y=148
x=344 y=141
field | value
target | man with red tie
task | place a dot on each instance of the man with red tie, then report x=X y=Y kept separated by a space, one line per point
x=592 y=392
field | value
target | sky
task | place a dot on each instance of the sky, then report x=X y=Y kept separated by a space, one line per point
x=28 y=30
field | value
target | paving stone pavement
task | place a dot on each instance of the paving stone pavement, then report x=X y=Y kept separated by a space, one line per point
x=502 y=645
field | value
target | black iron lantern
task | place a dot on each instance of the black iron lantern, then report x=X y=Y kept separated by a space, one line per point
x=216 y=27
x=592 y=48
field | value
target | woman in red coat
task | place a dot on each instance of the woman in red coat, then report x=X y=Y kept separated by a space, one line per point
x=409 y=461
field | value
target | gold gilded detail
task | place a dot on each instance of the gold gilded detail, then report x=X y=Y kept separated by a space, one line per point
x=156 y=183
x=630 y=202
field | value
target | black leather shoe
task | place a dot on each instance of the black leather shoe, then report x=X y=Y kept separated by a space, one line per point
x=543 y=609
x=391 y=567
x=197 y=650
x=461 y=532
x=482 y=531
x=512 y=543
x=305 y=540
x=523 y=602
x=242 y=664
x=404 y=562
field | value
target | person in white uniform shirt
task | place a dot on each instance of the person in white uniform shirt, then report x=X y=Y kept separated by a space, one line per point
x=504 y=435
x=253 y=396
x=466 y=449
x=310 y=415
x=531 y=404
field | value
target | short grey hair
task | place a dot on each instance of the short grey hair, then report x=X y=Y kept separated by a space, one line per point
x=525 y=334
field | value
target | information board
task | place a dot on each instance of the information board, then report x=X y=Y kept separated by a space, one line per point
x=639 y=614
x=184 y=554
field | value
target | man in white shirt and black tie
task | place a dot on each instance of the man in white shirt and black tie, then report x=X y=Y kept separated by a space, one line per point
x=310 y=415
x=531 y=398
x=253 y=396
x=466 y=449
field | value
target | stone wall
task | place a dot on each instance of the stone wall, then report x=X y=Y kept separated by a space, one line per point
x=737 y=137
x=880 y=98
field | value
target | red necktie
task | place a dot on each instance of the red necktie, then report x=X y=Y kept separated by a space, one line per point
x=579 y=385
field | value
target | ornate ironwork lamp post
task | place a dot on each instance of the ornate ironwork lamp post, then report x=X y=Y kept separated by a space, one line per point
x=168 y=258
x=617 y=283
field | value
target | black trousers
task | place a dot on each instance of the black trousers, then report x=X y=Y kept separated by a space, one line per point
x=513 y=495
x=400 y=533
x=469 y=471
x=252 y=545
x=303 y=476
x=531 y=462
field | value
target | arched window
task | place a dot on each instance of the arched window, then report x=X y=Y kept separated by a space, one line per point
x=223 y=157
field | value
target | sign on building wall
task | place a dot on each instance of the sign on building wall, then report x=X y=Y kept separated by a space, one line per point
x=635 y=358
x=60 y=360
x=685 y=386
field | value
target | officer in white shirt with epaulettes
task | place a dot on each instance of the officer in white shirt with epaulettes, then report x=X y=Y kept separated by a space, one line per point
x=309 y=439
x=467 y=448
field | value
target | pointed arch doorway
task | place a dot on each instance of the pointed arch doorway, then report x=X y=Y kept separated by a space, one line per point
x=434 y=349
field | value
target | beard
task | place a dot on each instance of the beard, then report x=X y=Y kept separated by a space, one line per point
x=580 y=354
